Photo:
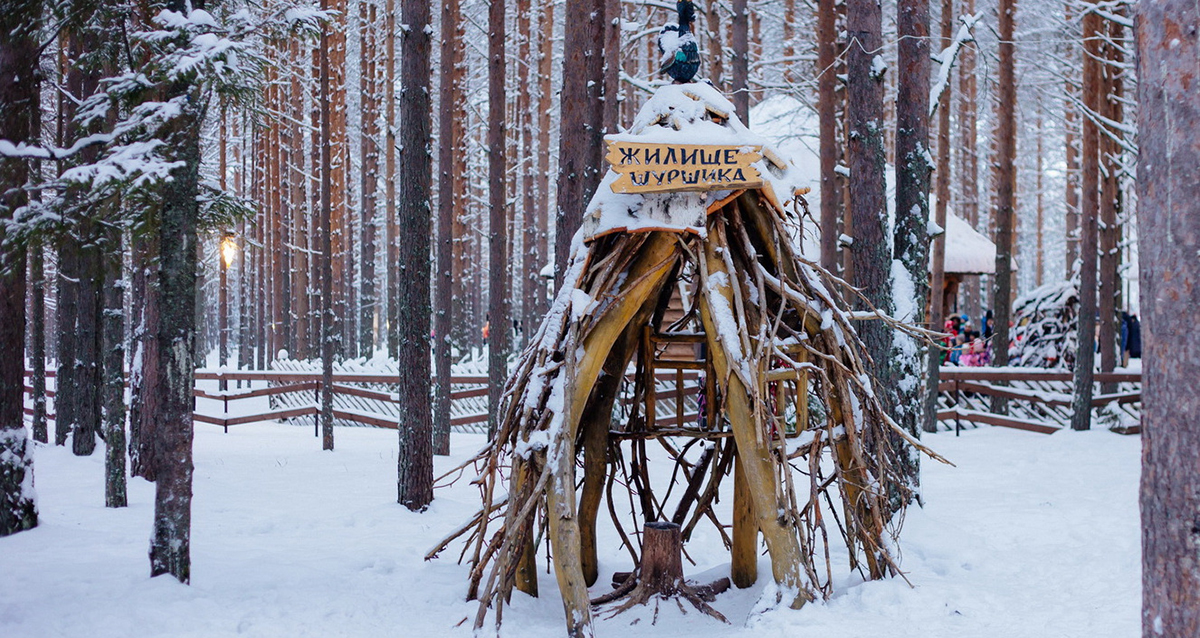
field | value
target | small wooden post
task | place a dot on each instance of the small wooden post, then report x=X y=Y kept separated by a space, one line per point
x=743 y=568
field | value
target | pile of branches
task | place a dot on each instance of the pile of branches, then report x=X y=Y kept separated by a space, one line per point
x=1046 y=329
x=761 y=306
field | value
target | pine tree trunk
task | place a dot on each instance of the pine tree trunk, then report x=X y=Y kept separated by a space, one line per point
x=937 y=268
x=1040 y=270
x=911 y=247
x=415 y=465
x=544 y=71
x=389 y=143
x=1110 y=193
x=1005 y=215
x=870 y=251
x=1168 y=47
x=827 y=98
x=716 y=54
x=580 y=146
x=1089 y=204
x=369 y=113
x=527 y=72
x=968 y=118
x=329 y=322
x=19 y=101
x=444 y=275
x=740 y=65
x=113 y=402
x=497 y=229
x=37 y=328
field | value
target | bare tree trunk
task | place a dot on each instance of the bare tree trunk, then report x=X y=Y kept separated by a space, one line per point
x=37 y=326
x=20 y=82
x=612 y=64
x=329 y=322
x=1110 y=193
x=369 y=113
x=415 y=465
x=716 y=53
x=144 y=384
x=1089 y=204
x=113 y=402
x=444 y=275
x=302 y=216
x=1168 y=47
x=544 y=71
x=911 y=241
x=831 y=189
x=937 y=280
x=968 y=145
x=870 y=251
x=392 y=250
x=1005 y=216
x=740 y=36
x=497 y=229
x=580 y=150
x=1071 y=152
x=1041 y=222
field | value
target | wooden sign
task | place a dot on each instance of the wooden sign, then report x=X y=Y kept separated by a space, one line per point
x=658 y=168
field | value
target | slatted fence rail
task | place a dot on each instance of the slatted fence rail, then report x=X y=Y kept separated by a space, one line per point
x=1037 y=400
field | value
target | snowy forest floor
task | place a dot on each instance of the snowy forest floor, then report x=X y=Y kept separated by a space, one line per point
x=1031 y=535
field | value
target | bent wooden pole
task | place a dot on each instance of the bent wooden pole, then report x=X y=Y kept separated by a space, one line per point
x=646 y=277
x=753 y=452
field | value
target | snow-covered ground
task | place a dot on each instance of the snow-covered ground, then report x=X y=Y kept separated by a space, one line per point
x=1031 y=535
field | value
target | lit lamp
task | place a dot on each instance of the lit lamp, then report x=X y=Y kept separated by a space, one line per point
x=229 y=249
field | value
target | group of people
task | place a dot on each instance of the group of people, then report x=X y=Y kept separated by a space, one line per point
x=965 y=345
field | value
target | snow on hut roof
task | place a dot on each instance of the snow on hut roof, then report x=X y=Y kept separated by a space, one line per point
x=967 y=251
x=693 y=113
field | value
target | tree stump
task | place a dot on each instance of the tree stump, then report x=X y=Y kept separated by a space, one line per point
x=660 y=575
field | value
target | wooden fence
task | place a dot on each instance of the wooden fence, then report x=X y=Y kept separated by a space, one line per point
x=1036 y=400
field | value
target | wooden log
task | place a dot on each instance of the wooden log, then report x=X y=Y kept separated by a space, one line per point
x=782 y=541
x=743 y=566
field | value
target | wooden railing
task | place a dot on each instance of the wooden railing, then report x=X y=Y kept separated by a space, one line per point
x=374 y=407
x=1037 y=400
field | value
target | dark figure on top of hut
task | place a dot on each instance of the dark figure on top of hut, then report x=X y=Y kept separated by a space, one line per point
x=681 y=57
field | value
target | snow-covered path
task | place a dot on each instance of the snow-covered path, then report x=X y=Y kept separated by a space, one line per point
x=1030 y=536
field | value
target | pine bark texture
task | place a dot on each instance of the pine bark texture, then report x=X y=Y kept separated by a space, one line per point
x=329 y=322
x=415 y=464
x=911 y=241
x=740 y=64
x=937 y=269
x=1168 y=68
x=498 y=276
x=831 y=189
x=870 y=252
x=1006 y=154
x=968 y=149
x=1089 y=206
x=113 y=392
x=443 y=272
x=581 y=123
x=1109 y=277
x=19 y=101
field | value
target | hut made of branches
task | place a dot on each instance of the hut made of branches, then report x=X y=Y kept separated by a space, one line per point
x=785 y=406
